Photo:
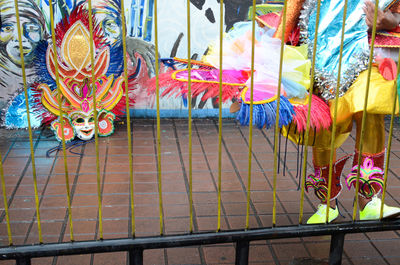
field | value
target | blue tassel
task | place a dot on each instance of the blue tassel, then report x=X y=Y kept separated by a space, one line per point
x=265 y=114
x=243 y=116
x=286 y=112
x=259 y=115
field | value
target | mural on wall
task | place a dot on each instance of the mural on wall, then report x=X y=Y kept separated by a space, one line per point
x=139 y=14
x=33 y=28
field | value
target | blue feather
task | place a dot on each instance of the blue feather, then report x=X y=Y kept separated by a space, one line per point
x=259 y=117
x=286 y=112
x=265 y=114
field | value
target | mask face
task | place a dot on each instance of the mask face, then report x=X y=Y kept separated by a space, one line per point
x=83 y=125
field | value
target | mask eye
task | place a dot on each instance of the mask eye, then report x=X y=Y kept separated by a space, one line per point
x=80 y=120
x=91 y=119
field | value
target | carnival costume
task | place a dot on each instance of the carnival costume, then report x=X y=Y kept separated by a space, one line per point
x=295 y=86
x=75 y=72
x=350 y=102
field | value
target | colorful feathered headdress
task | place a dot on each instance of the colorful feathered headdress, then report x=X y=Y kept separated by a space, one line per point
x=76 y=81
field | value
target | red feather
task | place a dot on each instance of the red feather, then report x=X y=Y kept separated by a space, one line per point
x=79 y=13
x=173 y=87
x=320 y=116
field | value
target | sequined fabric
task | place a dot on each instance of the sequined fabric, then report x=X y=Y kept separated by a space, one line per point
x=320 y=181
x=370 y=176
x=355 y=44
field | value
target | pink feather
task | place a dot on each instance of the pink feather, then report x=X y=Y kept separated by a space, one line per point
x=320 y=115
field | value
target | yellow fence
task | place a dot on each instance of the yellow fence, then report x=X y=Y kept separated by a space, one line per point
x=159 y=155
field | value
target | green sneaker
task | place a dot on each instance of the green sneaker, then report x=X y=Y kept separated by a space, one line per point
x=319 y=216
x=372 y=210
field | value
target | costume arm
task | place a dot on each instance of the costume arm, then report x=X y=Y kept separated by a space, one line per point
x=386 y=20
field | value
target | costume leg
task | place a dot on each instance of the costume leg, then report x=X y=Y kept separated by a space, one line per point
x=321 y=142
x=320 y=183
x=320 y=180
x=371 y=167
x=372 y=156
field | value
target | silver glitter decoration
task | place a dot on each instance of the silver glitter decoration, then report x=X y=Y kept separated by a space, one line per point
x=326 y=82
x=3 y=112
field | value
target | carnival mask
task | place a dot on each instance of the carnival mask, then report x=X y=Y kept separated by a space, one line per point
x=79 y=95
x=83 y=125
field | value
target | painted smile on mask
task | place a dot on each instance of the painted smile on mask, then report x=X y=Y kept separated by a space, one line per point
x=83 y=125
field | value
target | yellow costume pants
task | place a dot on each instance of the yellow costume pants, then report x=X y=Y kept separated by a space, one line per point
x=350 y=109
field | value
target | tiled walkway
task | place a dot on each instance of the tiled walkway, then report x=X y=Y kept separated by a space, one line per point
x=370 y=248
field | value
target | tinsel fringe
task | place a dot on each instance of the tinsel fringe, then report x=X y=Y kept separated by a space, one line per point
x=327 y=82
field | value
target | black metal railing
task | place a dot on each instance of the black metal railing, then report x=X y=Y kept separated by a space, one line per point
x=241 y=238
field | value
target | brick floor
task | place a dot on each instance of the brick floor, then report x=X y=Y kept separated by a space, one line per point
x=113 y=182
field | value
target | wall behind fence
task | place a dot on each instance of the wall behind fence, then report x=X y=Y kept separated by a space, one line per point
x=35 y=22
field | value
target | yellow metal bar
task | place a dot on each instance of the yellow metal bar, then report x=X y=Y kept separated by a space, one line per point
x=158 y=119
x=307 y=135
x=96 y=128
x=21 y=52
x=332 y=150
x=3 y=186
x=253 y=27
x=371 y=56
x=389 y=147
x=53 y=37
x=221 y=32
x=189 y=99
x=128 y=119
x=278 y=102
